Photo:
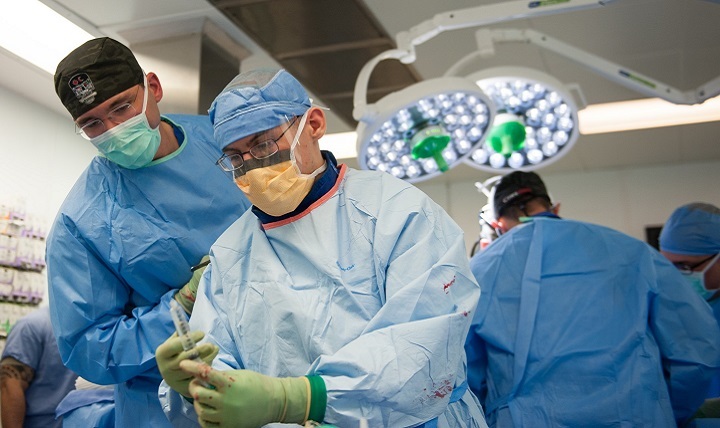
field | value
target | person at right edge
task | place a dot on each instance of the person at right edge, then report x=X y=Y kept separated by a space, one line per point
x=146 y=209
x=690 y=239
x=353 y=300
x=579 y=325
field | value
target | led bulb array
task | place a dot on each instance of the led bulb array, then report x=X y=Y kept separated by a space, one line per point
x=456 y=118
x=548 y=116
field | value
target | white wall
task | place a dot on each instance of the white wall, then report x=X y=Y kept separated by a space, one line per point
x=40 y=158
x=40 y=155
x=627 y=199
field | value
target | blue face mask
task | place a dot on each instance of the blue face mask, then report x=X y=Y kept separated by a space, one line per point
x=697 y=280
x=131 y=144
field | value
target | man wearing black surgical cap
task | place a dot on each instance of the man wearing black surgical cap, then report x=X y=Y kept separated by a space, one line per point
x=145 y=210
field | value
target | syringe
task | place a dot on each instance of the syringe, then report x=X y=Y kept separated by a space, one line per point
x=183 y=329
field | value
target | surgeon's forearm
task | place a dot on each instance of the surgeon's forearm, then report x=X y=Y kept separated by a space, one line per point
x=12 y=403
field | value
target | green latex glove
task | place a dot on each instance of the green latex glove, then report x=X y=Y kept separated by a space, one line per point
x=186 y=295
x=243 y=398
x=709 y=409
x=171 y=353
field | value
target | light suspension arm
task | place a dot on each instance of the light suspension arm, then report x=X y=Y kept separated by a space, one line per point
x=458 y=19
x=610 y=70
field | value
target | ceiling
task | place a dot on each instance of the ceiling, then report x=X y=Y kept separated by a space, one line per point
x=326 y=42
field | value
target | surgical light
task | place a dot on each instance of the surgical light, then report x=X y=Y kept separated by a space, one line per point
x=429 y=127
x=536 y=122
x=423 y=130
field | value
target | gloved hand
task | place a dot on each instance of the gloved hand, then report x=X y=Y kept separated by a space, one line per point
x=709 y=409
x=243 y=398
x=171 y=353
x=186 y=295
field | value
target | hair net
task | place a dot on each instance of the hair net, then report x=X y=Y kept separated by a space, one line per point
x=693 y=229
x=256 y=101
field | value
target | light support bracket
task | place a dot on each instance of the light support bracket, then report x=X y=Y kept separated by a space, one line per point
x=369 y=115
x=608 y=69
x=454 y=20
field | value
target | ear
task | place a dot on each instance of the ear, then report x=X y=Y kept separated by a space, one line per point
x=153 y=85
x=316 y=122
x=500 y=224
x=555 y=209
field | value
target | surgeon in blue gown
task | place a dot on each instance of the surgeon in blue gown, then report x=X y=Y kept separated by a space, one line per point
x=145 y=210
x=352 y=300
x=582 y=326
x=690 y=239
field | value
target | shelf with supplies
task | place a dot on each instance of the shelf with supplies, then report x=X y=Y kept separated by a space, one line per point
x=23 y=280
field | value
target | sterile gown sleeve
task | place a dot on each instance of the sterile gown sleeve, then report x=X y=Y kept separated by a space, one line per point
x=98 y=337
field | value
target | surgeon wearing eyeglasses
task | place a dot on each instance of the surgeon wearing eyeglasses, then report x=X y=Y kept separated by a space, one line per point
x=690 y=239
x=146 y=209
x=352 y=300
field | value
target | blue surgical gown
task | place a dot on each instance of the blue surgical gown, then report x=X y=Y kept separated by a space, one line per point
x=369 y=288
x=87 y=408
x=31 y=342
x=580 y=325
x=714 y=389
x=121 y=246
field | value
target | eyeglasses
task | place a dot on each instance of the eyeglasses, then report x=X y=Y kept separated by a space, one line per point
x=687 y=269
x=117 y=115
x=234 y=162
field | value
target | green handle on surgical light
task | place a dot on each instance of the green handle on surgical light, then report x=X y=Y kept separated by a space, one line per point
x=429 y=143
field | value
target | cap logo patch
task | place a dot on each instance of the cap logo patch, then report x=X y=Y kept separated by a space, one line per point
x=83 y=88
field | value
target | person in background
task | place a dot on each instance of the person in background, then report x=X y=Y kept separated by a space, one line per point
x=690 y=239
x=145 y=210
x=353 y=301
x=581 y=325
x=33 y=379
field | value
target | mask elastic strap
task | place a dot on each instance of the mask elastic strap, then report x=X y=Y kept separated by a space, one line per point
x=712 y=262
x=294 y=144
x=296 y=140
x=145 y=93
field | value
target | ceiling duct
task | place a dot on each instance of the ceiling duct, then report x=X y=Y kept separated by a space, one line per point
x=324 y=44
x=194 y=61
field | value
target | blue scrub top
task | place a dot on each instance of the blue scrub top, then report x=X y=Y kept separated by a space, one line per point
x=31 y=342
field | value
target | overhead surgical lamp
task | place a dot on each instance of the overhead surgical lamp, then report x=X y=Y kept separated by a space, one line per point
x=422 y=130
x=536 y=122
x=503 y=146
x=429 y=127
x=539 y=103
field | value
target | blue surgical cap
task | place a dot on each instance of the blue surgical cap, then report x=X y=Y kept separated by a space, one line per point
x=256 y=101
x=693 y=229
